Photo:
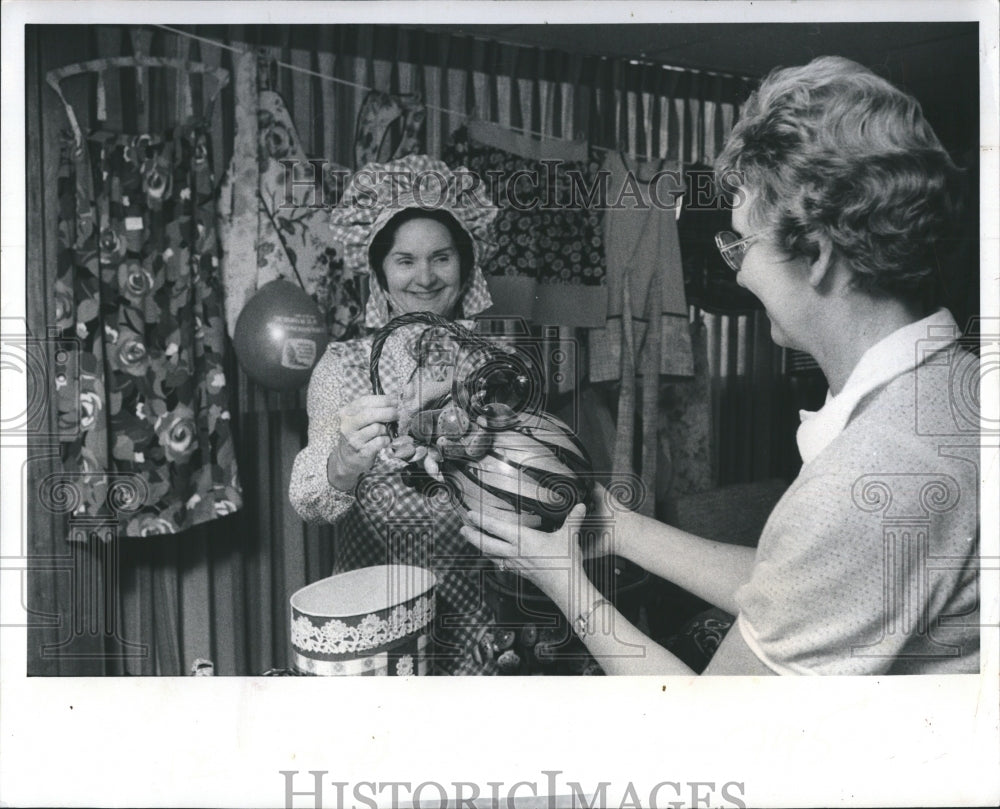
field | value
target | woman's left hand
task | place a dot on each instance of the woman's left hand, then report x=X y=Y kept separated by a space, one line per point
x=548 y=560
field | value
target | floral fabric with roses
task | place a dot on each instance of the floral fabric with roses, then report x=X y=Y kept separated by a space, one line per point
x=138 y=295
x=281 y=230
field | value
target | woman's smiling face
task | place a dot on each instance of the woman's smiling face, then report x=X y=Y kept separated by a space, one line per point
x=422 y=269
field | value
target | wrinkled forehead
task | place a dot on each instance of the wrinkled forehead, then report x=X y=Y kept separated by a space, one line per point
x=422 y=231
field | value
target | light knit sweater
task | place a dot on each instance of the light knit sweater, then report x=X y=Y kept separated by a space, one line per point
x=869 y=563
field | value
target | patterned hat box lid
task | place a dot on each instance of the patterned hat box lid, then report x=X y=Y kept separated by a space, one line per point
x=374 y=620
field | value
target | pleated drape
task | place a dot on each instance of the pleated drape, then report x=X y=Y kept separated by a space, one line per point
x=57 y=606
x=220 y=591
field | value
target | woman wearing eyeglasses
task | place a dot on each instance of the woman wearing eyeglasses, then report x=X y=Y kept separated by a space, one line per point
x=868 y=564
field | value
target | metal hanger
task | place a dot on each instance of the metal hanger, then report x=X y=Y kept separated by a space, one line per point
x=55 y=77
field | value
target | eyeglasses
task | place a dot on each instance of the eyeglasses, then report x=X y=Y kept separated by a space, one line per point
x=733 y=248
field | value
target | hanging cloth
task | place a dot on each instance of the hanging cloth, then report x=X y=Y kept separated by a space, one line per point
x=138 y=292
x=238 y=205
x=272 y=229
x=685 y=423
x=141 y=63
x=643 y=254
x=549 y=266
x=389 y=127
x=646 y=331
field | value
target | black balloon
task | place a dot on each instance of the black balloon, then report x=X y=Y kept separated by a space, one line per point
x=280 y=336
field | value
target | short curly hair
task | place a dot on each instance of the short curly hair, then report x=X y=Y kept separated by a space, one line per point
x=831 y=148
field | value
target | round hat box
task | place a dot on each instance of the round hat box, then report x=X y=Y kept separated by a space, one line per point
x=371 y=621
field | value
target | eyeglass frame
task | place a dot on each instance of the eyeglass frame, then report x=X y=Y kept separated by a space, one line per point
x=724 y=249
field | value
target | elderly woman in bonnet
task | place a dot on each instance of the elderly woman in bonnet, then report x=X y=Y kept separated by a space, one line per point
x=844 y=203
x=423 y=236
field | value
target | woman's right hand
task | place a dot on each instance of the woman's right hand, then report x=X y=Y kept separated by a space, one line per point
x=597 y=543
x=363 y=433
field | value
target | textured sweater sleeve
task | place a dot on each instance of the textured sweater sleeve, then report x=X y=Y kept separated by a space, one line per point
x=334 y=383
x=850 y=579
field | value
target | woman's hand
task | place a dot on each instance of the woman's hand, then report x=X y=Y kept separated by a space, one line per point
x=597 y=543
x=548 y=560
x=607 y=535
x=363 y=433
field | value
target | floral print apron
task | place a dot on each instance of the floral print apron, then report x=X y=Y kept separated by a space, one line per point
x=138 y=298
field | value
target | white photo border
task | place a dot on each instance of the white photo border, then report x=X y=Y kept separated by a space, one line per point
x=223 y=741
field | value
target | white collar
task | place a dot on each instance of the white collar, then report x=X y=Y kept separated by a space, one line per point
x=888 y=358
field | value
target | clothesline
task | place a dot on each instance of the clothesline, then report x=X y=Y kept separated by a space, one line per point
x=324 y=76
x=358 y=86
